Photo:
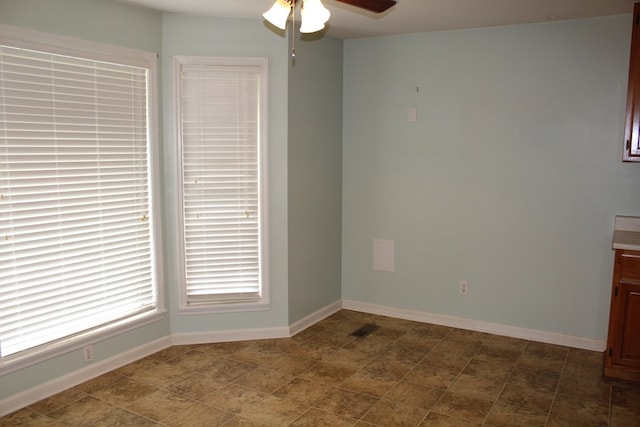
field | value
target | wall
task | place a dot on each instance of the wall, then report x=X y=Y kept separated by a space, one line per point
x=112 y=22
x=315 y=174
x=103 y=21
x=510 y=178
x=204 y=36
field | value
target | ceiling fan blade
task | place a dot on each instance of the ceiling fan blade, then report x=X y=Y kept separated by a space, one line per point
x=377 y=6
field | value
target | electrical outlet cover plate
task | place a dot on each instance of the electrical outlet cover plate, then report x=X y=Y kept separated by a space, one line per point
x=464 y=287
x=88 y=353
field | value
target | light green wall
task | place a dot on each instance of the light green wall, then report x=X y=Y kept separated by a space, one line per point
x=103 y=21
x=203 y=36
x=315 y=175
x=510 y=178
x=111 y=22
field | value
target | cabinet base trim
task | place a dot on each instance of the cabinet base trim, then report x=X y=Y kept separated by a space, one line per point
x=621 y=373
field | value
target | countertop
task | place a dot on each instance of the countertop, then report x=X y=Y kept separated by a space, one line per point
x=626 y=233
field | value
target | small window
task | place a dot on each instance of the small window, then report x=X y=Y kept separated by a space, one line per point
x=76 y=217
x=220 y=112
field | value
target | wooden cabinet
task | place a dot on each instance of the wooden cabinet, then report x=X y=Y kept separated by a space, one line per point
x=632 y=121
x=622 y=356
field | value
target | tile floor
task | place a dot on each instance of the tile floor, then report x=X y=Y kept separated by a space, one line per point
x=404 y=374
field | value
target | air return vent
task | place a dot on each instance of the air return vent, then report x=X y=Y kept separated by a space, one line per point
x=365 y=330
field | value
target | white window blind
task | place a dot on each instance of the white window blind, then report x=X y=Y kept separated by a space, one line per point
x=220 y=114
x=75 y=229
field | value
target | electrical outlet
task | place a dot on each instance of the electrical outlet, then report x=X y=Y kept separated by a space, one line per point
x=464 y=287
x=87 y=351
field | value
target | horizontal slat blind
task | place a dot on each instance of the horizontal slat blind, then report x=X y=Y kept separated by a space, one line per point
x=219 y=119
x=74 y=196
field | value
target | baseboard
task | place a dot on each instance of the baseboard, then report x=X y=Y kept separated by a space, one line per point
x=314 y=317
x=229 y=335
x=35 y=394
x=50 y=388
x=256 y=333
x=475 y=325
x=79 y=376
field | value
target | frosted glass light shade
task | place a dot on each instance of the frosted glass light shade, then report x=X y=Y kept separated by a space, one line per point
x=314 y=16
x=278 y=14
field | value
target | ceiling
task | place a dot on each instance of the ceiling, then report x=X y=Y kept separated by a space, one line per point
x=410 y=16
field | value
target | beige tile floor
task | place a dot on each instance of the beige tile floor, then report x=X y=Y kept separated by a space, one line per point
x=404 y=374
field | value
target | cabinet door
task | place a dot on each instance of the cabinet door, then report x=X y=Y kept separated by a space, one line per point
x=632 y=126
x=626 y=352
x=623 y=344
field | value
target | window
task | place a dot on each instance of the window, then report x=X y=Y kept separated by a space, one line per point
x=77 y=224
x=220 y=111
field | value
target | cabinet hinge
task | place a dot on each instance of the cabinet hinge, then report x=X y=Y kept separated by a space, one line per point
x=610 y=351
x=615 y=292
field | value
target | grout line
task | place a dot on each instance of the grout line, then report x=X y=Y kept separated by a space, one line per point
x=505 y=383
x=555 y=393
x=397 y=381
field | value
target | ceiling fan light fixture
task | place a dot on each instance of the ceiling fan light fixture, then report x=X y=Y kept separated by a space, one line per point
x=279 y=13
x=314 y=15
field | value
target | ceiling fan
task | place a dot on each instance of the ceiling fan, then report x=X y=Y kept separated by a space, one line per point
x=313 y=13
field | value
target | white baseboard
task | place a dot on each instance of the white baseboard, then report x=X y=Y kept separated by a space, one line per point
x=475 y=325
x=314 y=318
x=256 y=333
x=35 y=394
x=91 y=371
x=79 y=376
x=229 y=335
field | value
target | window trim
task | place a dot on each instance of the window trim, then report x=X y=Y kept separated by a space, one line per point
x=221 y=307
x=64 y=45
